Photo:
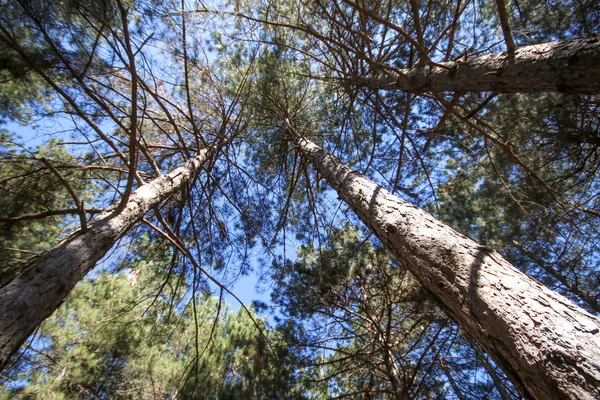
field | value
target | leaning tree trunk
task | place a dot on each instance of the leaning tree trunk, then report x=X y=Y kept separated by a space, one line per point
x=568 y=66
x=546 y=345
x=33 y=295
x=490 y=370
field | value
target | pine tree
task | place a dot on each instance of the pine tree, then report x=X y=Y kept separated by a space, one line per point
x=115 y=338
x=53 y=275
x=364 y=326
x=478 y=288
x=144 y=92
x=567 y=66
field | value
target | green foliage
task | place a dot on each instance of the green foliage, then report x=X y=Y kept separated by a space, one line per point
x=526 y=186
x=115 y=338
x=27 y=188
x=537 y=21
x=364 y=327
x=536 y=190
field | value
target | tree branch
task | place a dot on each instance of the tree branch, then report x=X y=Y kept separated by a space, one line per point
x=74 y=196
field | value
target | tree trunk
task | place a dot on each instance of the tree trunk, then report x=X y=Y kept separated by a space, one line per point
x=398 y=385
x=546 y=345
x=498 y=384
x=34 y=294
x=568 y=66
x=451 y=380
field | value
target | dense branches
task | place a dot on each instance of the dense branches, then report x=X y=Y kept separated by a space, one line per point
x=453 y=106
x=478 y=288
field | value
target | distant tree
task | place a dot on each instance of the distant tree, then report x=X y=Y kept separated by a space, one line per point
x=116 y=338
x=365 y=327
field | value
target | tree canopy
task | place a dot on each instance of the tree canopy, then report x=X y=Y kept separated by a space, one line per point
x=415 y=183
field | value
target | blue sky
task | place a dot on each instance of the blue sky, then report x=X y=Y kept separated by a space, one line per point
x=246 y=288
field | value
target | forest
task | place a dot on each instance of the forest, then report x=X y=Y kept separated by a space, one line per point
x=408 y=191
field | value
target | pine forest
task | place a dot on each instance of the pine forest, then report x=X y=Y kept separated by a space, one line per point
x=301 y=199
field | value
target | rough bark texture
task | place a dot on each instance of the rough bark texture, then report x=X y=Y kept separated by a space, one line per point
x=568 y=66
x=546 y=345
x=40 y=289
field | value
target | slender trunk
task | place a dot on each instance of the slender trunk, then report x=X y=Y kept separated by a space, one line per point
x=33 y=295
x=453 y=384
x=391 y=368
x=546 y=345
x=382 y=338
x=508 y=39
x=568 y=66
x=490 y=370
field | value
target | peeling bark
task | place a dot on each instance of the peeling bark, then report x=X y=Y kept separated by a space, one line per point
x=567 y=66
x=546 y=345
x=34 y=294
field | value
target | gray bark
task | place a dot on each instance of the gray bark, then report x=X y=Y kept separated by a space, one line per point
x=568 y=66
x=546 y=345
x=34 y=294
x=398 y=386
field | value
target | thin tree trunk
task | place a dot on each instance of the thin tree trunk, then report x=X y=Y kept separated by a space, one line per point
x=546 y=345
x=453 y=384
x=398 y=385
x=508 y=39
x=568 y=66
x=33 y=295
x=490 y=370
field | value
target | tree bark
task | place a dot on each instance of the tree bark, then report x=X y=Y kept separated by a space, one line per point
x=567 y=66
x=546 y=345
x=34 y=294
x=398 y=385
